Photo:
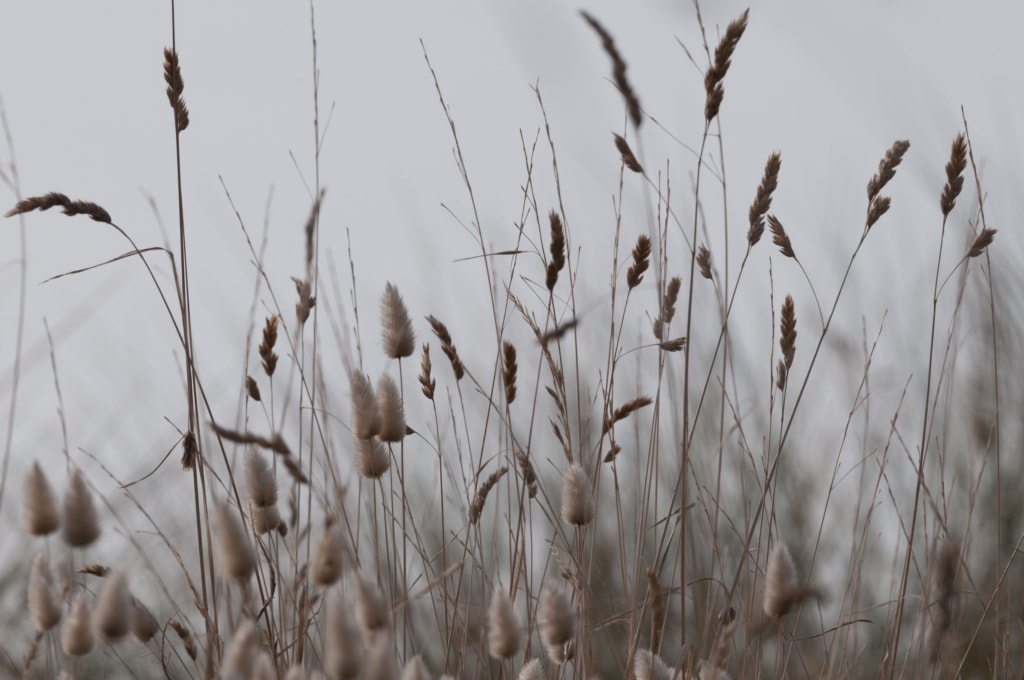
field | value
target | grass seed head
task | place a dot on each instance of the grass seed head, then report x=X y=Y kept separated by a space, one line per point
x=43 y=605
x=76 y=637
x=577 y=496
x=343 y=647
x=81 y=524
x=112 y=616
x=504 y=634
x=392 y=411
x=399 y=338
x=236 y=554
x=42 y=511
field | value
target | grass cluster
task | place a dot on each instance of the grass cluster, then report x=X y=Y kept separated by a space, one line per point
x=576 y=489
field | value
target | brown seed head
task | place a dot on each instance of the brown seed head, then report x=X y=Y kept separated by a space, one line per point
x=366 y=421
x=112 y=617
x=43 y=605
x=887 y=168
x=780 y=237
x=763 y=199
x=954 y=175
x=427 y=382
x=58 y=200
x=529 y=476
x=392 y=412
x=557 y=249
x=981 y=242
x=628 y=159
x=787 y=331
x=266 y=348
x=372 y=610
x=577 y=496
x=504 y=634
x=252 y=389
x=76 y=638
x=441 y=331
x=476 y=507
x=704 y=262
x=509 y=370
x=723 y=59
x=780 y=582
x=668 y=307
x=641 y=261
x=330 y=555
x=236 y=555
x=618 y=69
x=175 y=89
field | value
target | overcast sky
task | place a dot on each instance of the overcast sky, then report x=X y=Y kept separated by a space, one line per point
x=831 y=85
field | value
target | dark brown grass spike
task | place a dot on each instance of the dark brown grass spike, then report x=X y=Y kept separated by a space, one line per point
x=954 y=175
x=723 y=60
x=641 y=261
x=780 y=237
x=628 y=158
x=476 y=507
x=624 y=411
x=763 y=199
x=55 y=199
x=557 y=249
x=618 y=69
x=175 y=89
x=509 y=370
x=983 y=241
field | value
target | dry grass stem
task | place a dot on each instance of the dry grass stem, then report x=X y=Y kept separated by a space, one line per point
x=76 y=637
x=763 y=199
x=59 y=200
x=427 y=382
x=399 y=339
x=441 y=331
x=504 y=634
x=42 y=511
x=266 y=349
x=43 y=605
x=954 y=175
x=628 y=159
x=112 y=616
x=509 y=370
x=557 y=248
x=81 y=524
x=641 y=261
x=715 y=74
x=237 y=560
x=780 y=237
x=175 y=89
x=618 y=69
x=476 y=507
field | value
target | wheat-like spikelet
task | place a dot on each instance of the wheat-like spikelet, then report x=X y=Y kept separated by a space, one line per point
x=648 y=666
x=780 y=237
x=175 y=89
x=529 y=476
x=372 y=460
x=275 y=442
x=628 y=158
x=43 y=605
x=668 y=307
x=476 y=507
x=557 y=248
x=723 y=59
x=252 y=390
x=641 y=261
x=763 y=199
x=618 y=69
x=236 y=554
x=185 y=636
x=954 y=175
x=372 y=611
x=878 y=205
x=240 y=654
x=447 y=346
x=399 y=339
x=673 y=345
x=330 y=555
x=58 y=200
x=577 y=496
x=189 y=451
x=509 y=370
x=504 y=634
x=143 y=624
x=415 y=669
x=266 y=348
x=81 y=525
x=76 y=637
x=304 y=290
x=624 y=411
x=94 y=569
x=427 y=382
x=309 y=232
x=343 y=646
x=112 y=615
x=787 y=341
x=704 y=262
x=657 y=599
x=365 y=412
x=556 y=619
x=42 y=511
x=262 y=489
x=392 y=412
x=981 y=242
x=531 y=670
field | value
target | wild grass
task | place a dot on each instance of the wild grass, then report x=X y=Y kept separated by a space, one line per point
x=577 y=489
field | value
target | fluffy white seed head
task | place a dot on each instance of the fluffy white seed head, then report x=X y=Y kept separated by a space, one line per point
x=504 y=635
x=237 y=560
x=780 y=581
x=76 y=637
x=43 y=604
x=557 y=621
x=392 y=412
x=577 y=496
x=42 y=511
x=343 y=645
x=112 y=617
x=81 y=525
